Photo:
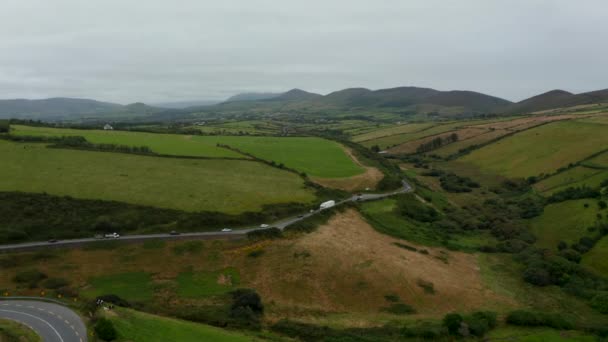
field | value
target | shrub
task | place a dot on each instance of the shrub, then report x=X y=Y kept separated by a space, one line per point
x=537 y=319
x=246 y=309
x=602 y=204
x=255 y=253
x=54 y=283
x=537 y=275
x=404 y=246
x=600 y=302
x=452 y=322
x=393 y=298
x=400 y=309
x=31 y=277
x=426 y=285
x=264 y=234
x=105 y=329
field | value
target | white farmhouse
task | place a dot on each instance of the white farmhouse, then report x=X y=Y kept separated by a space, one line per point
x=107 y=127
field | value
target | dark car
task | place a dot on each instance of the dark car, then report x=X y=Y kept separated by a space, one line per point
x=300 y=216
x=52 y=240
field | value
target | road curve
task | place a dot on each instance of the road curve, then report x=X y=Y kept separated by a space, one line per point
x=200 y=235
x=53 y=322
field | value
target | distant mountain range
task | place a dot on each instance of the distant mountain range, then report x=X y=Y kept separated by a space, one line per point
x=556 y=99
x=62 y=108
x=405 y=100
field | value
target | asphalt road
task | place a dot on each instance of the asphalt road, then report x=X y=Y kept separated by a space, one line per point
x=237 y=233
x=53 y=322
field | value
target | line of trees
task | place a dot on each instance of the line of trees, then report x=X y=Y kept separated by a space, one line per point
x=437 y=143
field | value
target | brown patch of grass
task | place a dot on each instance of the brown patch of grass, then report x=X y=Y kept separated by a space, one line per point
x=332 y=280
x=368 y=179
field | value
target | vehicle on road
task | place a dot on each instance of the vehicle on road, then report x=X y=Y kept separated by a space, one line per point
x=328 y=204
x=226 y=230
x=52 y=240
x=112 y=236
x=300 y=216
x=173 y=232
x=264 y=225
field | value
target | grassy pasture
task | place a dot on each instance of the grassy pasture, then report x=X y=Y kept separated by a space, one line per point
x=567 y=221
x=597 y=258
x=315 y=156
x=137 y=326
x=170 y=144
x=230 y=186
x=205 y=284
x=540 y=150
x=399 y=129
x=574 y=177
x=254 y=127
x=483 y=138
x=136 y=286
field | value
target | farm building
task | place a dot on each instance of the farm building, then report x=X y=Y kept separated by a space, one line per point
x=107 y=127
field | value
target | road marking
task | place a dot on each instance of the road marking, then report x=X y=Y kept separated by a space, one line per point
x=52 y=313
x=38 y=318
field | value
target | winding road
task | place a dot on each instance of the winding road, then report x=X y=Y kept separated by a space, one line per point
x=238 y=233
x=53 y=322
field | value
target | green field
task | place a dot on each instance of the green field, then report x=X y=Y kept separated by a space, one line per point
x=170 y=144
x=204 y=284
x=597 y=258
x=540 y=150
x=399 y=129
x=315 y=156
x=566 y=221
x=575 y=177
x=134 y=286
x=231 y=186
x=142 y=327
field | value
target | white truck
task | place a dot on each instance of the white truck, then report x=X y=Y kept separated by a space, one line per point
x=328 y=204
x=112 y=236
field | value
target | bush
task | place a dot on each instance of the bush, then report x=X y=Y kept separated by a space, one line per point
x=427 y=286
x=537 y=319
x=246 y=308
x=31 y=277
x=264 y=234
x=400 y=309
x=105 y=329
x=600 y=302
x=452 y=322
x=54 y=283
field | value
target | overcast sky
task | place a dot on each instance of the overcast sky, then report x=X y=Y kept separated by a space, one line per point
x=155 y=51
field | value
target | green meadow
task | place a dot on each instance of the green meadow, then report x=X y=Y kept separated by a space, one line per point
x=169 y=144
x=134 y=326
x=315 y=156
x=230 y=186
x=597 y=258
x=540 y=150
x=565 y=221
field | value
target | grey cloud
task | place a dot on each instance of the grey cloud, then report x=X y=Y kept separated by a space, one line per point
x=155 y=51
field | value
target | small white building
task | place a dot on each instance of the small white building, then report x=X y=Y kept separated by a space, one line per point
x=107 y=127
